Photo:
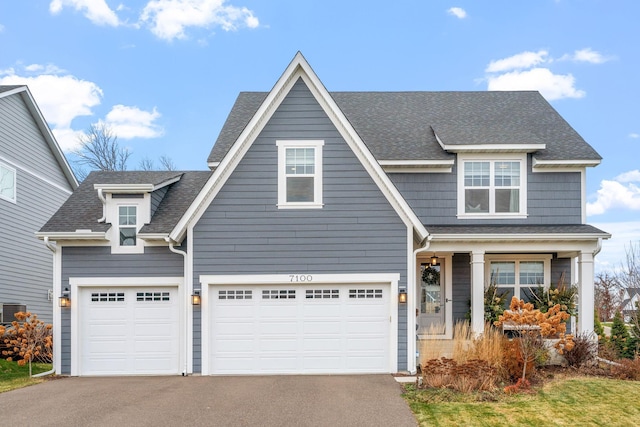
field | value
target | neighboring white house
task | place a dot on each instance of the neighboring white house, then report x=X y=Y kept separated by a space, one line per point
x=630 y=302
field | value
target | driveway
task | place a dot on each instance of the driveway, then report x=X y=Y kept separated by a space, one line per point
x=363 y=400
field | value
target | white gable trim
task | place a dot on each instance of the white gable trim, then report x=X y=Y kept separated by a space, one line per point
x=298 y=68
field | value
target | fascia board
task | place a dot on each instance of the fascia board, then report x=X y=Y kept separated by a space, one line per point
x=77 y=235
x=520 y=237
x=493 y=148
x=434 y=163
x=153 y=236
x=124 y=188
x=554 y=165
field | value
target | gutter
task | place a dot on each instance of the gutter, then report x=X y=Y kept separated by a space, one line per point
x=53 y=249
x=411 y=283
x=186 y=299
x=104 y=205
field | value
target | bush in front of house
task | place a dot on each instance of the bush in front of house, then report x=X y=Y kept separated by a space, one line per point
x=584 y=351
x=621 y=340
x=27 y=340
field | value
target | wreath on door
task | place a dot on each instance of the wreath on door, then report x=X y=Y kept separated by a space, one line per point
x=431 y=276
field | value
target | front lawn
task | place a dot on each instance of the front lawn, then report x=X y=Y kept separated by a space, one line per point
x=583 y=401
x=13 y=376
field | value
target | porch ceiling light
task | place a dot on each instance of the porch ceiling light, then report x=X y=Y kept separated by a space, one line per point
x=195 y=298
x=65 y=299
x=402 y=297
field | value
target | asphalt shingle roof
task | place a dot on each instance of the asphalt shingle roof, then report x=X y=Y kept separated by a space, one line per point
x=403 y=125
x=83 y=208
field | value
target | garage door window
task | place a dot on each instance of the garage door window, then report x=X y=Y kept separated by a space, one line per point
x=107 y=296
x=152 y=296
x=365 y=293
x=322 y=293
x=279 y=294
x=235 y=294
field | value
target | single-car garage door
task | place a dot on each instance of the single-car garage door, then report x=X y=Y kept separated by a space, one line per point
x=128 y=331
x=302 y=329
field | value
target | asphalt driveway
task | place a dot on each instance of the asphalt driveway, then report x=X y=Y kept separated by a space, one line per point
x=362 y=400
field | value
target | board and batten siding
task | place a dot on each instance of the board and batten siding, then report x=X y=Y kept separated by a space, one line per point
x=26 y=265
x=156 y=261
x=552 y=198
x=243 y=232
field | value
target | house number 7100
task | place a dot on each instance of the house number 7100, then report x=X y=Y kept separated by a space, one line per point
x=301 y=277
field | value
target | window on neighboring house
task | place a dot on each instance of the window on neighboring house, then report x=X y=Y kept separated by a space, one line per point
x=519 y=276
x=127 y=221
x=490 y=187
x=7 y=183
x=300 y=174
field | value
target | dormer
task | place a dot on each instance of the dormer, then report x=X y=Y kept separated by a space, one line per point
x=128 y=207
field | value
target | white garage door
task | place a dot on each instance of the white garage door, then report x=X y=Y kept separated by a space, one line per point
x=128 y=331
x=299 y=329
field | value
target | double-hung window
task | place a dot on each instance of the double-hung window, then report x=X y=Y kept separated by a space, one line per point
x=127 y=222
x=7 y=183
x=492 y=188
x=300 y=174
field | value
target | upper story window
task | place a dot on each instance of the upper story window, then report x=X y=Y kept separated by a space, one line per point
x=127 y=222
x=488 y=187
x=7 y=183
x=300 y=174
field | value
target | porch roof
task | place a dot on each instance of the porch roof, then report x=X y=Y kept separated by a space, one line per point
x=561 y=231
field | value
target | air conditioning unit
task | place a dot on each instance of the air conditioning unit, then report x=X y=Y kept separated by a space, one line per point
x=8 y=311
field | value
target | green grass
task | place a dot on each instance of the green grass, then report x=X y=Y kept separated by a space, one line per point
x=13 y=376
x=571 y=402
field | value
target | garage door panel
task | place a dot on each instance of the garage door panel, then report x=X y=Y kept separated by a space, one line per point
x=321 y=330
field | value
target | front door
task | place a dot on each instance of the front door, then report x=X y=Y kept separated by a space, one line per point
x=431 y=299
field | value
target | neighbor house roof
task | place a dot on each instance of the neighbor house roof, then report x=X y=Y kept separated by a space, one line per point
x=83 y=208
x=407 y=125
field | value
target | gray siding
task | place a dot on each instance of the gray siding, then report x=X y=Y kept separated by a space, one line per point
x=25 y=262
x=553 y=198
x=156 y=198
x=461 y=287
x=99 y=262
x=357 y=231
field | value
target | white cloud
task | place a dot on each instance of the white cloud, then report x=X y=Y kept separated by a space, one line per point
x=458 y=12
x=517 y=62
x=634 y=135
x=586 y=55
x=131 y=122
x=619 y=193
x=168 y=19
x=97 y=11
x=614 y=249
x=551 y=86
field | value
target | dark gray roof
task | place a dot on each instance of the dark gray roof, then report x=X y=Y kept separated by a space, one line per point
x=514 y=229
x=82 y=209
x=401 y=125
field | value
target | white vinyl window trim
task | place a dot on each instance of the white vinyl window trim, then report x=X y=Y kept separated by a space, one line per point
x=486 y=173
x=142 y=216
x=300 y=162
x=7 y=183
x=521 y=263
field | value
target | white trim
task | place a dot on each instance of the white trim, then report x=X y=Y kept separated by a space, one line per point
x=76 y=283
x=446 y=281
x=77 y=235
x=283 y=146
x=213 y=165
x=143 y=216
x=13 y=199
x=391 y=279
x=492 y=159
x=562 y=165
x=517 y=259
x=298 y=68
x=136 y=188
x=57 y=311
x=490 y=148
x=35 y=175
x=546 y=237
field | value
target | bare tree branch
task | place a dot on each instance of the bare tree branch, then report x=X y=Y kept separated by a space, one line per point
x=167 y=164
x=146 y=164
x=99 y=150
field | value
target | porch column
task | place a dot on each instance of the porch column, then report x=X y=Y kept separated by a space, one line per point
x=477 y=292
x=586 y=292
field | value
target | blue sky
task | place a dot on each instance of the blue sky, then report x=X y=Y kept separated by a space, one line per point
x=165 y=73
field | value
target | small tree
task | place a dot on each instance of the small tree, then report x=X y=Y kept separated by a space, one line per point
x=621 y=339
x=608 y=295
x=27 y=339
x=530 y=325
x=99 y=150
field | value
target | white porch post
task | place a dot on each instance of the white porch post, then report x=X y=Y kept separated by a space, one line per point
x=477 y=292
x=585 y=292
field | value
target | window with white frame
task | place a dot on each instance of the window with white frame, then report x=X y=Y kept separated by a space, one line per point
x=7 y=183
x=300 y=174
x=489 y=187
x=518 y=275
x=127 y=224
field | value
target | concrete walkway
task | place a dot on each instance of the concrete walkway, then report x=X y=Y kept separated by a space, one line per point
x=362 y=400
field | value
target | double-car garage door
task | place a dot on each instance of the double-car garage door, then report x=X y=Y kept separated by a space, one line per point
x=298 y=329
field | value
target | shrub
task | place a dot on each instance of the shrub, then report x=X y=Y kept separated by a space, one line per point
x=27 y=339
x=627 y=369
x=584 y=350
x=474 y=375
x=621 y=339
x=494 y=302
x=561 y=294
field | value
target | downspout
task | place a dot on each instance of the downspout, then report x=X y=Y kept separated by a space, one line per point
x=425 y=244
x=53 y=249
x=104 y=205
x=186 y=299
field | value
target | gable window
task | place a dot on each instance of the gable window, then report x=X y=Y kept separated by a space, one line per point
x=492 y=188
x=519 y=274
x=300 y=174
x=7 y=183
x=127 y=222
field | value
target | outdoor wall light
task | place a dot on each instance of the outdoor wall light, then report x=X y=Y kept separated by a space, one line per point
x=402 y=297
x=434 y=260
x=65 y=298
x=195 y=298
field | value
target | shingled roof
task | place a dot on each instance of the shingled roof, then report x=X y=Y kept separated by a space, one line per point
x=83 y=208
x=403 y=125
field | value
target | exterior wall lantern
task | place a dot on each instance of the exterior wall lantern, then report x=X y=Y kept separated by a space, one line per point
x=434 y=260
x=402 y=296
x=195 y=297
x=65 y=299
